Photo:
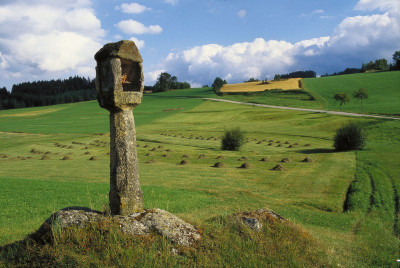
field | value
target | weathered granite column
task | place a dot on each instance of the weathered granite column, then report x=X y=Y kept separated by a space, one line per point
x=119 y=84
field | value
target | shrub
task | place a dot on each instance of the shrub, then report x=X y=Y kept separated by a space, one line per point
x=232 y=139
x=350 y=137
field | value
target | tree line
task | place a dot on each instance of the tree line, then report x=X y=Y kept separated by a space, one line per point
x=43 y=93
x=297 y=74
x=166 y=82
x=73 y=89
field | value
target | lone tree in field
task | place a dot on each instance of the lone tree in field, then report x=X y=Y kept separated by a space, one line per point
x=361 y=95
x=218 y=84
x=343 y=98
x=232 y=139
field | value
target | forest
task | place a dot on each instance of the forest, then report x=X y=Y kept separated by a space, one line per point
x=297 y=74
x=43 y=93
x=73 y=89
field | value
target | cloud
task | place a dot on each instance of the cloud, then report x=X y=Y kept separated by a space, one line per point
x=55 y=51
x=242 y=13
x=383 y=5
x=235 y=63
x=151 y=77
x=171 y=2
x=132 y=8
x=134 y=27
x=318 y=11
x=326 y=17
x=41 y=38
x=366 y=32
x=139 y=43
x=355 y=40
x=3 y=62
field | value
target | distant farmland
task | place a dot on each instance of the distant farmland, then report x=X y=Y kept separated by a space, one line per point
x=292 y=83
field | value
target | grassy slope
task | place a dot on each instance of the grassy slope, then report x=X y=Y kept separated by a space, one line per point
x=311 y=194
x=383 y=89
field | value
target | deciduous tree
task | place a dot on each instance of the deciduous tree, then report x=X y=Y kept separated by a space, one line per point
x=361 y=95
x=342 y=97
x=218 y=84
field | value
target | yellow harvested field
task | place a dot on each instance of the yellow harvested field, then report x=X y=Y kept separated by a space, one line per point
x=291 y=83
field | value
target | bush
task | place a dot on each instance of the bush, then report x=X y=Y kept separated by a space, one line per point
x=350 y=137
x=233 y=139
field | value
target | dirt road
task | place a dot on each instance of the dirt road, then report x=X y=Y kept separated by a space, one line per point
x=306 y=110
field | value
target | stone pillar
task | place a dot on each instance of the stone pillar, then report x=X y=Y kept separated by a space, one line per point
x=119 y=84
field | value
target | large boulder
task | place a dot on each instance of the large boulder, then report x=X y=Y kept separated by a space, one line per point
x=149 y=221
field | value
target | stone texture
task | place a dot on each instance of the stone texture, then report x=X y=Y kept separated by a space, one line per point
x=119 y=84
x=254 y=219
x=143 y=223
x=123 y=49
x=126 y=196
x=110 y=86
x=253 y=223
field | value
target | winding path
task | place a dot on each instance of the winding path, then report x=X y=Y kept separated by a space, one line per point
x=305 y=109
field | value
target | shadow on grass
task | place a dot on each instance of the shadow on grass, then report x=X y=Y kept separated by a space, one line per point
x=317 y=151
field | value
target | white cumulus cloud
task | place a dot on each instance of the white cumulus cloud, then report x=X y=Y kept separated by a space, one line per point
x=383 y=5
x=41 y=38
x=134 y=27
x=132 y=8
x=238 y=61
x=373 y=33
x=52 y=52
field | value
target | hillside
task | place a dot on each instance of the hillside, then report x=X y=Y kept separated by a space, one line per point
x=171 y=128
x=383 y=89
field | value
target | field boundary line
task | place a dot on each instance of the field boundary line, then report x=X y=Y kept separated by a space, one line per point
x=305 y=109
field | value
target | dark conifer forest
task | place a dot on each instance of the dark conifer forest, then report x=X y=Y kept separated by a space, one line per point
x=43 y=93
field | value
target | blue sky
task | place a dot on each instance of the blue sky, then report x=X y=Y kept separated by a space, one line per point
x=196 y=40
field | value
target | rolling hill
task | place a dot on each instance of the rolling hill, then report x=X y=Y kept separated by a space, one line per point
x=342 y=209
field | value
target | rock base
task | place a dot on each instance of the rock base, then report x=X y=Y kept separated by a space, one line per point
x=149 y=221
x=254 y=219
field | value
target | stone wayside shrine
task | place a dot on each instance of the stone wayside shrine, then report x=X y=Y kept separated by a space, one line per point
x=119 y=84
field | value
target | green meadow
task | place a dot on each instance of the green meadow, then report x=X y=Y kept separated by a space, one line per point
x=382 y=88
x=342 y=208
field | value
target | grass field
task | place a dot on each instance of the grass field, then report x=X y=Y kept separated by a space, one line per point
x=291 y=83
x=313 y=196
x=383 y=89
